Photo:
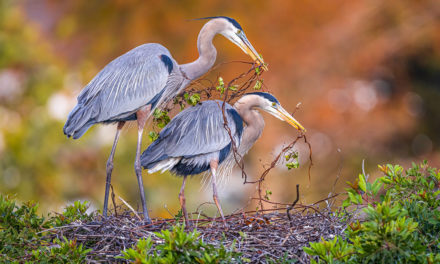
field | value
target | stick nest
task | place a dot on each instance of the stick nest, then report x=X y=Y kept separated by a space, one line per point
x=258 y=235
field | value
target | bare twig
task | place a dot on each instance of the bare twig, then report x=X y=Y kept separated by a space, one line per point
x=291 y=206
x=131 y=208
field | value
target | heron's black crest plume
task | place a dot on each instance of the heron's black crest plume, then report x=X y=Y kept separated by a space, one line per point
x=233 y=21
x=268 y=96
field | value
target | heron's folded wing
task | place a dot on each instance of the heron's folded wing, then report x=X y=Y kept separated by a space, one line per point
x=200 y=130
x=128 y=82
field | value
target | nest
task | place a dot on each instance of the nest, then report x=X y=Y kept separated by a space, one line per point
x=268 y=234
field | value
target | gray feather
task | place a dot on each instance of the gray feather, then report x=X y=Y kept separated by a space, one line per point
x=195 y=132
x=123 y=86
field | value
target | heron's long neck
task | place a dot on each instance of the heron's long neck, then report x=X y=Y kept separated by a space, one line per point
x=253 y=129
x=207 y=52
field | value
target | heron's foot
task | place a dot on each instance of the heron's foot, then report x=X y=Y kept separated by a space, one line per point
x=219 y=208
x=105 y=213
x=185 y=214
x=147 y=219
x=188 y=223
x=225 y=224
x=182 y=201
x=147 y=222
x=104 y=218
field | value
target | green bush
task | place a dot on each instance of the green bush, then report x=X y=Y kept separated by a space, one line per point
x=22 y=234
x=179 y=247
x=19 y=228
x=67 y=251
x=74 y=212
x=401 y=225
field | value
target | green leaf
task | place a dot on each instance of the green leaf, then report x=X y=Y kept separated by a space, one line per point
x=292 y=165
x=194 y=99
x=258 y=70
x=233 y=87
x=258 y=84
x=153 y=136
x=221 y=85
x=362 y=183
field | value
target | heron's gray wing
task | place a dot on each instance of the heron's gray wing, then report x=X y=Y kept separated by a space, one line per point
x=197 y=130
x=129 y=82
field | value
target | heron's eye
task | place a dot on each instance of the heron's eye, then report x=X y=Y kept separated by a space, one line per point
x=238 y=32
x=274 y=104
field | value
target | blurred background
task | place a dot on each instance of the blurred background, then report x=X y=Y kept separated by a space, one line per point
x=366 y=72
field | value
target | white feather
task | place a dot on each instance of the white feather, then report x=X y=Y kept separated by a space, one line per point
x=165 y=165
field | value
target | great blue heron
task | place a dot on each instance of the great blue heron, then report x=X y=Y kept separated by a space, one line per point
x=196 y=139
x=134 y=84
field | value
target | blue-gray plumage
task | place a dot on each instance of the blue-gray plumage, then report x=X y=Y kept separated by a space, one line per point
x=196 y=140
x=178 y=140
x=126 y=84
x=134 y=84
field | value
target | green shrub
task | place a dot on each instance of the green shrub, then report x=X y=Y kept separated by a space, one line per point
x=400 y=226
x=179 y=247
x=22 y=234
x=67 y=251
x=72 y=213
x=19 y=228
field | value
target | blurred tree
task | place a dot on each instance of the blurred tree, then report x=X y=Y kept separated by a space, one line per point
x=29 y=74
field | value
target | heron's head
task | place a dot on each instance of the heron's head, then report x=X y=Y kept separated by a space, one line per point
x=268 y=103
x=232 y=30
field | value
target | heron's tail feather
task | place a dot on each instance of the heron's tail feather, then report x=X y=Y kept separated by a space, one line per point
x=78 y=122
x=164 y=165
x=153 y=155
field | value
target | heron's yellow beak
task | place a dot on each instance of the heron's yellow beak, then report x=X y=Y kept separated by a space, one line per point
x=289 y=119
x=247 y=47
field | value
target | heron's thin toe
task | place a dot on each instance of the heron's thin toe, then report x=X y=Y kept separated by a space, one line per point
x=147 y=222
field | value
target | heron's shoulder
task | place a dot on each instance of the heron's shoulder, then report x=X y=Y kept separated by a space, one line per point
x=151 y=48
x=215 y=108
x=147 y=56
x=214 y=103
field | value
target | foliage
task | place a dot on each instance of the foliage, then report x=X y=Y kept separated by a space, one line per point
x=292 y=160
x=161 y=117
x=153 y=135
x=192 y=99
x=20 y=226
x=179 y=247
x=22 y=235
x=66 y=251
x=401 y=225
x=221 y=85
x=258 y=84
x=74 y=212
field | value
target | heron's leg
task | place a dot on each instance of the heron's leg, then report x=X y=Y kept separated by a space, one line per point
x=109 y=167
x=214 y=165
x=183 y=202
x=142 y=116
